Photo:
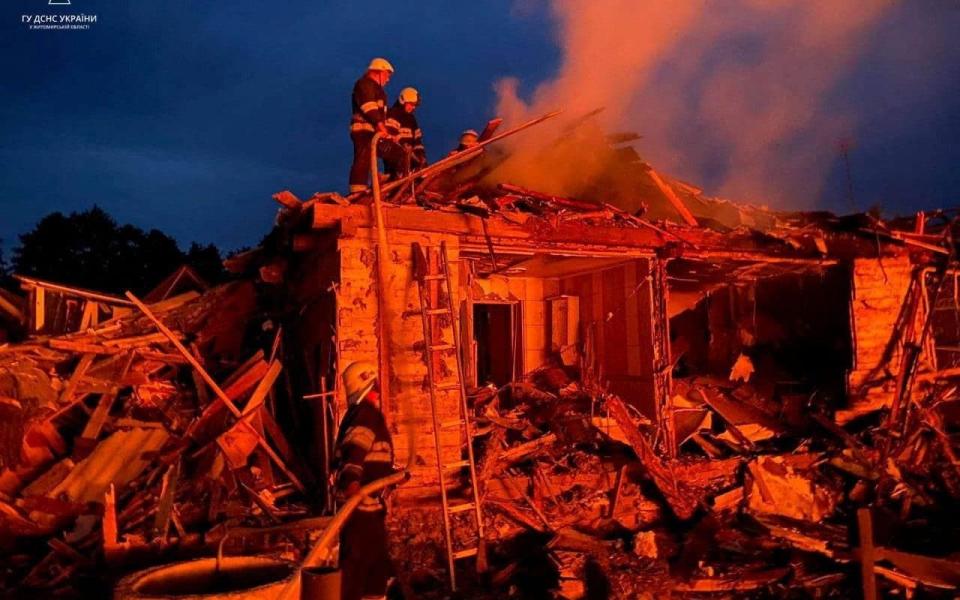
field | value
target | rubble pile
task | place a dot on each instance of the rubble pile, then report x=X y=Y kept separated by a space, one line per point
x=738 y=403
x=580 y=500
x=116 y=453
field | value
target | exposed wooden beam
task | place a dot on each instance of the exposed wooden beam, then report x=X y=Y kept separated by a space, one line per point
x=213 y=386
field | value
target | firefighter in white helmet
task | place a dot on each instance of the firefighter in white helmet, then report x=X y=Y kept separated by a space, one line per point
x=369 y=105
x=468 y=139
x=403 y=126
x=363 y=454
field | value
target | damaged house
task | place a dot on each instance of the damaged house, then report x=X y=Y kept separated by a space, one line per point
x=667 y=394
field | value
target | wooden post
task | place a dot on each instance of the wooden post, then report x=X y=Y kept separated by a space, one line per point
x=865 y=522
x=617 y=487
x=109 y=523
x=39 y=308
x=325 y=423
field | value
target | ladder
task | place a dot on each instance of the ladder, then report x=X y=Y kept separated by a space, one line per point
x=433 y=283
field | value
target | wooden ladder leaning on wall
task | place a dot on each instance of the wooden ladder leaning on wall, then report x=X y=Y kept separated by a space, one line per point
x=432 y=274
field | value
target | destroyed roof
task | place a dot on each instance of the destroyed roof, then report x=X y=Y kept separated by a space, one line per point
x=183 y=279
x=625 y=204
x=529 y=221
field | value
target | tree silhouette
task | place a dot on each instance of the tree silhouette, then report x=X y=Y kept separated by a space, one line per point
x=207 y=262
x=5 y=280
x=89 y=249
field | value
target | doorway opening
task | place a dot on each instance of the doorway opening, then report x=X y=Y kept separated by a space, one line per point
x=497 y=339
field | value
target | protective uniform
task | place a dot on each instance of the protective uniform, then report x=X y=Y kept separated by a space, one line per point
x=363 y=454
x=404 y=127
x=368 y=104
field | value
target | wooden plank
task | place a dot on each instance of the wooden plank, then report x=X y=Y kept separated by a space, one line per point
x=867 y=557
x=287 y=199
x=13 y=310
x=93 y=427
x=238 y=372
x=139 y=340
x=80 y=347
x=241 y=384
x=40 y=285
x=266 y=383
x=203 y=397
x=164 y=357
x=168 y=491
x=78 y=373
x=91 y=312
x=91 y=430
x=675 y=200
x=109 y=523
x=678 y=497
x=39 y=308
x=617 y=488
x=213 y=386
x=522 y=451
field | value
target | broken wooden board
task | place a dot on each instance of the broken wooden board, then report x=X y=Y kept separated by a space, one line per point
x=778 y=488
x=741 y=582
x=681 y=501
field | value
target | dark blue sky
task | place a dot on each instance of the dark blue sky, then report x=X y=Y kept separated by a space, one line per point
x=187 y=116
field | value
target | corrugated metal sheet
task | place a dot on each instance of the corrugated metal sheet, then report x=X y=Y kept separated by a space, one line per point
x=117 y=459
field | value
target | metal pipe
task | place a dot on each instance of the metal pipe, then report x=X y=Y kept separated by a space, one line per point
x=383 y=255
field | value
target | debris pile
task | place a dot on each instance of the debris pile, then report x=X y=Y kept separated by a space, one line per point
x=579 y=498
x=739 y=403
x=119 y=449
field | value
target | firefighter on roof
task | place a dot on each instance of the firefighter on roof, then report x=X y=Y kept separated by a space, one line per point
x=403 y=126
x=363 y=454
x=369 y=106
x=468 y=139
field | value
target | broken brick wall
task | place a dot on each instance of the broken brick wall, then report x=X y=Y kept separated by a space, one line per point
x=408 y=400
x=878 y=289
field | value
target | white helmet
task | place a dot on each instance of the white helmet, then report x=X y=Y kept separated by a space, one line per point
x=380 y=64
x=469 y=138
x=409 y=95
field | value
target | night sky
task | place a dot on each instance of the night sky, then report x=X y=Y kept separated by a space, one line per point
x=187 y=116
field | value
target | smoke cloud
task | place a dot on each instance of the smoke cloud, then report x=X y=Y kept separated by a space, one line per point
x=734 y=95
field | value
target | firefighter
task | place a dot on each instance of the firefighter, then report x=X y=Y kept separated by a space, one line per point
x=363 y=454
x=468 y=139
x=369 y=105
x=403 y=127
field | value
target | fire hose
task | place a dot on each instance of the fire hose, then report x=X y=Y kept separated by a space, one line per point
x=322 y=551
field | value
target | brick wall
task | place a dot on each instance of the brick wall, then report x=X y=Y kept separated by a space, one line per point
x=878 y=288
x=409 y=400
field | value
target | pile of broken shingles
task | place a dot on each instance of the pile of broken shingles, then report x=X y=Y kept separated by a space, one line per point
x=119 y=449
x=580 y=498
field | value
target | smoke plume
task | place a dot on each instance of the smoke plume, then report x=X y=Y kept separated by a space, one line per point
x=734 y=94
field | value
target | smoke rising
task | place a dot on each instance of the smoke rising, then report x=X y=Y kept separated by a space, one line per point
x=733 y=95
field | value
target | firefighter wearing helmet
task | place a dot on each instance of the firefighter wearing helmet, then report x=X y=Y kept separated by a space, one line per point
x=468 y=139
x=363 y=454
x=403 y=126
x=369 y=115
